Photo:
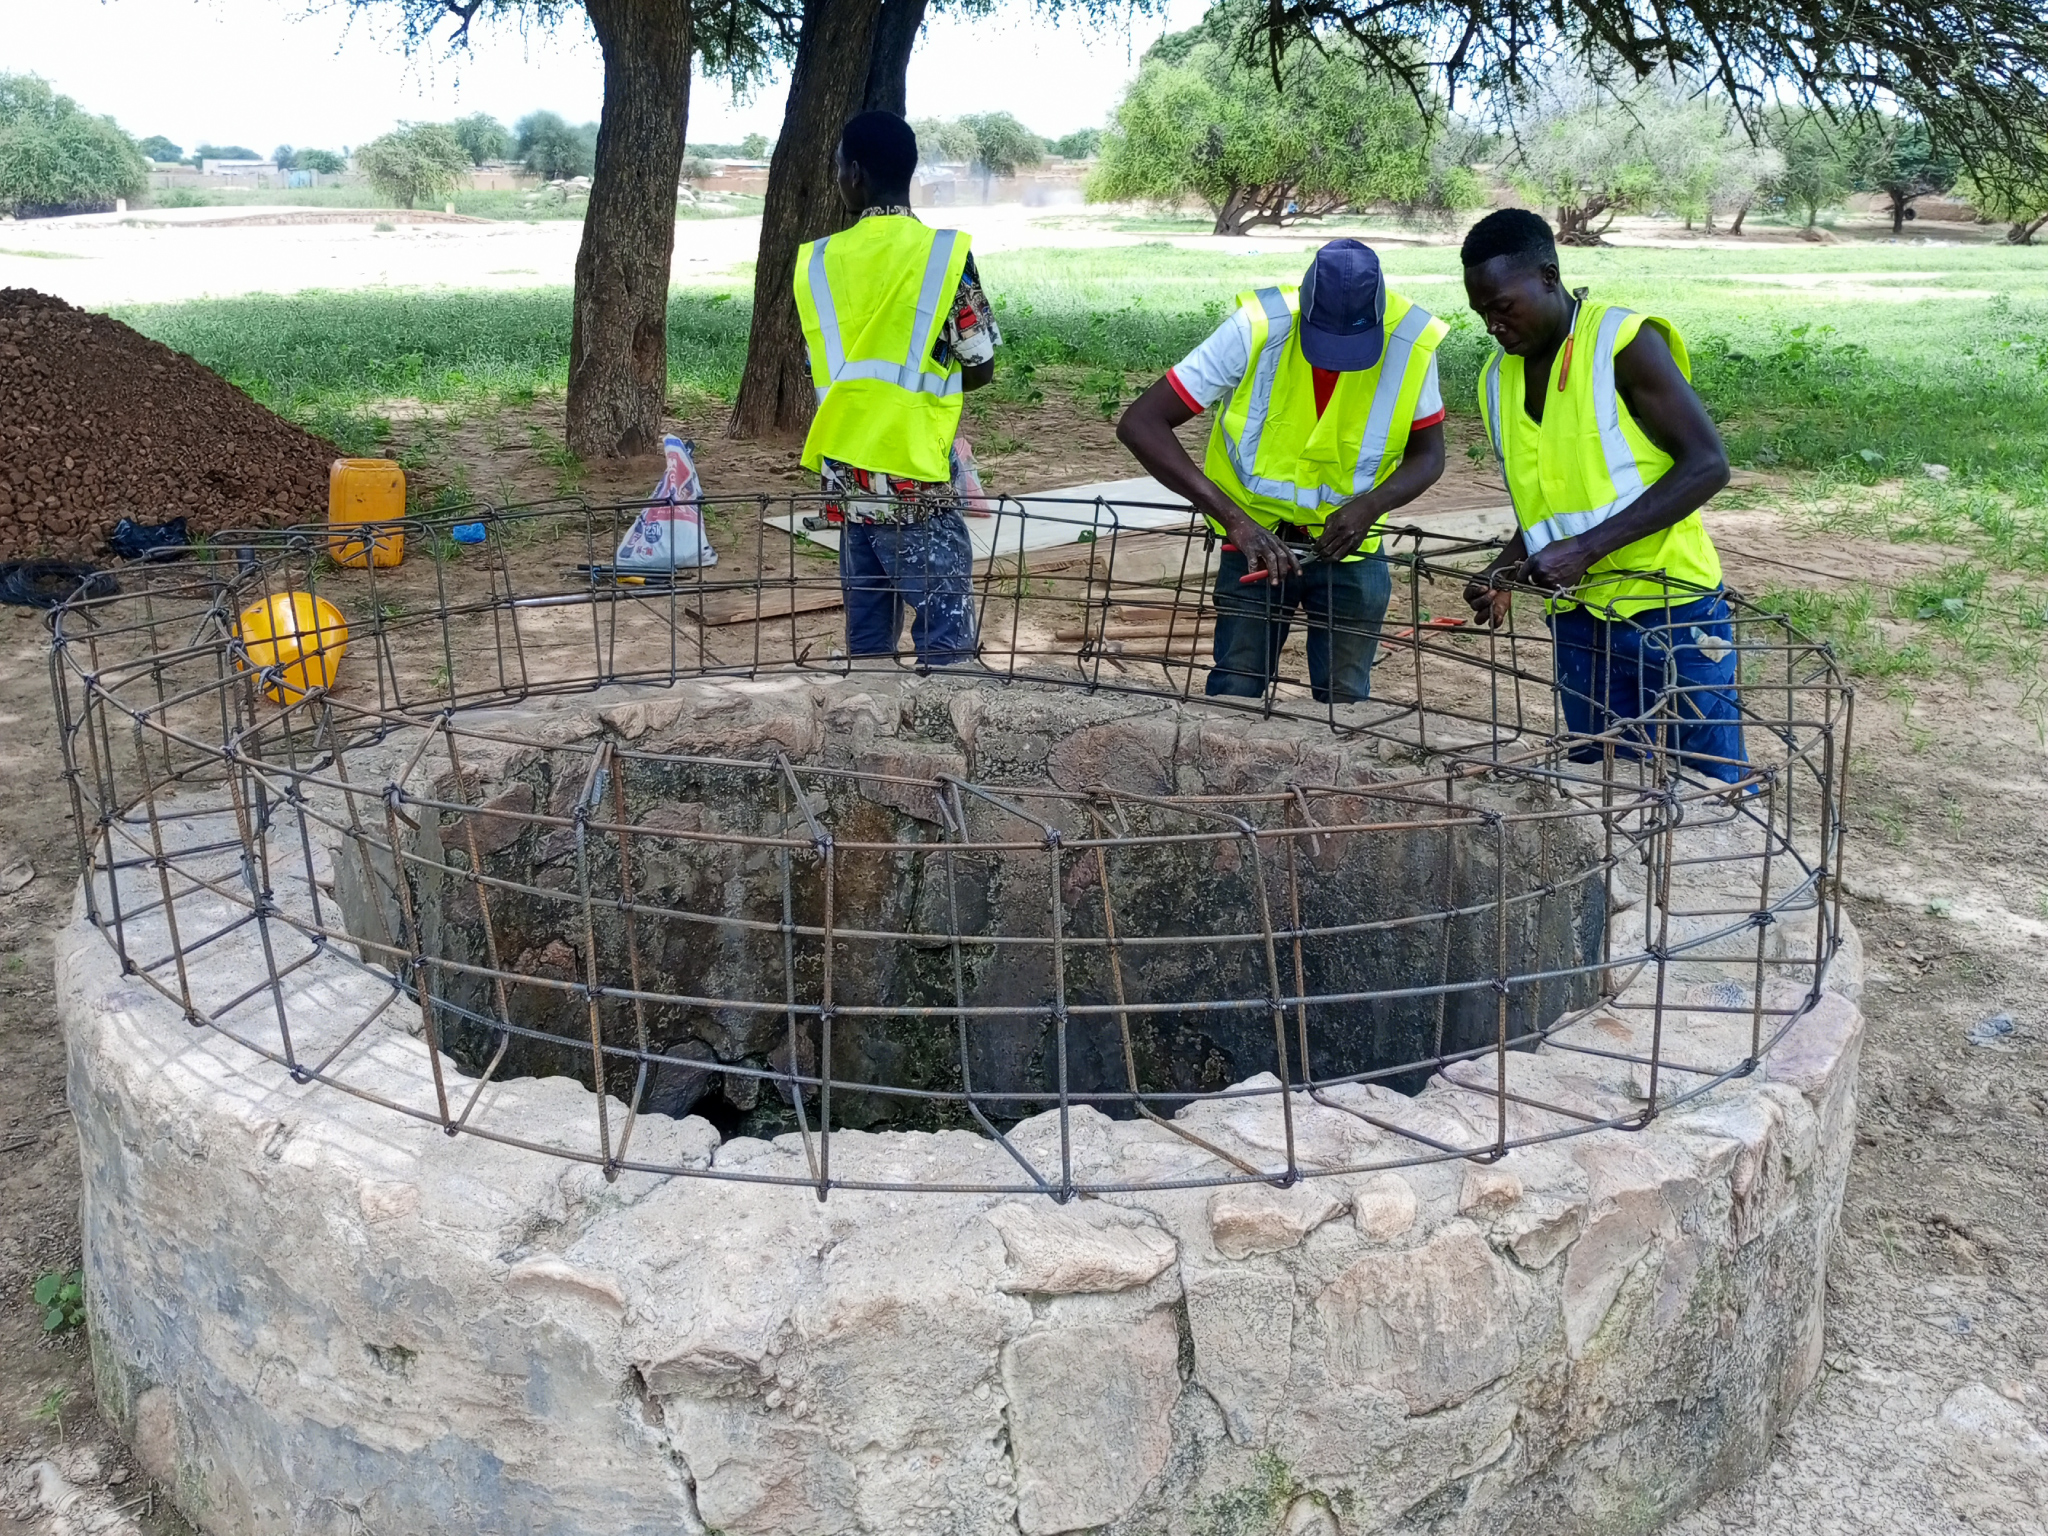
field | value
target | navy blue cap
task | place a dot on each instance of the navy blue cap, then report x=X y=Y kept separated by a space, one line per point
x=1343 y=308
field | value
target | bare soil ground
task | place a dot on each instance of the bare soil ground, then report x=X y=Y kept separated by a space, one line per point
x=1940 y=1276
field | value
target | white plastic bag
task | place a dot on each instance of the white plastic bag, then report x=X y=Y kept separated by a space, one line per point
x=669 y=534
x=974 y=500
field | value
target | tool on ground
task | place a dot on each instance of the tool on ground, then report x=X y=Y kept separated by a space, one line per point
x=365 y=505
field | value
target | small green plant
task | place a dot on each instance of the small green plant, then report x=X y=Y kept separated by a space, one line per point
x=62 y=1298
x=384 y=227
x=51 y=1409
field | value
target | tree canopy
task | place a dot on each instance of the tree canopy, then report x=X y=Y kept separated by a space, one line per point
x=991 y=144
x=56 y=157
x=1973 y=74
x=1897 y=157
x=1322 y=130
x=1588 y=153
x=157 y=147
x=415 y=162
x=2014 y=195
x=325 y=162
x=482 y=137
x=548 y=146
x=1816 y=156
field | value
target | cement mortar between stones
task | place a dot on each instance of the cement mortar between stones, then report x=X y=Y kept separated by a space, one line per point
x=313 y=1314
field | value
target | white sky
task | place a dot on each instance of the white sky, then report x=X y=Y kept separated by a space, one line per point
x=264 y=72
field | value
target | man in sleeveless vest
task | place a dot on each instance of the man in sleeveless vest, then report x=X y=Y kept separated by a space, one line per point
x=1608 y=456
x=1330 y=417
x=898 y=330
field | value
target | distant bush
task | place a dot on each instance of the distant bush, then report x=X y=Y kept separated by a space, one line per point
x=55 y=158
x=1082 y=144
x=225 y=152
x=413 y=163
x=550 y=147
x=322 y=162
x=482 y=136
x=157 y=147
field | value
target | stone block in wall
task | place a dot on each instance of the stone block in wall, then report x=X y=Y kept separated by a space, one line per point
x=1090 y=1419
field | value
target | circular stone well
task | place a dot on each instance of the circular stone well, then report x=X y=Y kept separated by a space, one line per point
x=1024 y=1110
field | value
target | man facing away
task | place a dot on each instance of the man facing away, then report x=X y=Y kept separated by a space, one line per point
x=1334 y=417
x=1608 y=456
x=898 y=328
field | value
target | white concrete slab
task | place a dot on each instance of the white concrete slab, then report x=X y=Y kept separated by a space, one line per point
x=1070 y=515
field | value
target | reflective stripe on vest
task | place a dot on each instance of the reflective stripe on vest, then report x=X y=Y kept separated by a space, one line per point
x=1244 y=453
x=1615 y=447
x=911 y=373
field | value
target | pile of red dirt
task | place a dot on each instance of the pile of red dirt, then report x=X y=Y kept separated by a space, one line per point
x=98 y=422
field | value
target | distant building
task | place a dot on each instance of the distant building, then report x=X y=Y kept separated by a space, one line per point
x=238 y=167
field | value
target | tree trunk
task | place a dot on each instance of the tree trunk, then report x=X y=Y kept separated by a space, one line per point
x=1740 y=214
x=1898 y=214
x=1230 y=217
x=825 y=89
x=618 y=341
x=896 y=32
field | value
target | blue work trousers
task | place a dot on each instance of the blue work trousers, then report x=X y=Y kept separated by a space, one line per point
x=1343 y=603
x=928 y=566
x=1665 y=677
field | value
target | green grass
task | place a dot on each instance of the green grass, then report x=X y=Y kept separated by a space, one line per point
x=1863 y=388
x=498 y=204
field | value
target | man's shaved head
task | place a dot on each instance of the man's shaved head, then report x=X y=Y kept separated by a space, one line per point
x=1514 y=232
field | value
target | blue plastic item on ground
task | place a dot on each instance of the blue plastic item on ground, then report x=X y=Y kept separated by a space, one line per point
x=467 y=533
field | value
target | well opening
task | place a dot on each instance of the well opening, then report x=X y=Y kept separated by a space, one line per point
x=964 y=942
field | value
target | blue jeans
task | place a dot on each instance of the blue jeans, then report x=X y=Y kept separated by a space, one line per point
x=926 y=565
x=1614 y=675
x=1343 y=602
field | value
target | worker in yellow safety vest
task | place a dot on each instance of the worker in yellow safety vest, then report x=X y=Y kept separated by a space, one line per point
x=1608 y=456
x=898 y=329
x=1331 y=417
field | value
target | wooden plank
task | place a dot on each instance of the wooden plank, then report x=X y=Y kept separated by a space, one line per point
x=770 y=602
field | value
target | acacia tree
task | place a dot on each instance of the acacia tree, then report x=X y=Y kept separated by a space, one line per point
x=618 y=343
x=2012 y=195
x=1815 y=170
x=1589 y=153
x=56 y=157
x=1898 y=158
x=1321 y=132
x=1972 y=74
x=414 y=162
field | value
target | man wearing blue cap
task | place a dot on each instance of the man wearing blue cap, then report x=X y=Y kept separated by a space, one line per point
x=1332 y=417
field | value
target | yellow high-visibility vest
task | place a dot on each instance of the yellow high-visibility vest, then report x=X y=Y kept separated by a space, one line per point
x=873 y=301
x=1268 y=450
x=1588 y=460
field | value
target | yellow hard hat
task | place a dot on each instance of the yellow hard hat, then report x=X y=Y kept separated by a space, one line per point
x=296 y=641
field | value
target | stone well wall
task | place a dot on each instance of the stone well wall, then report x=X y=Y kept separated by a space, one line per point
x=700 y=778
x=313 y=1314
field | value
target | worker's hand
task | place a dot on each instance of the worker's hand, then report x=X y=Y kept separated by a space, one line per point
x=1343 y=533
x=1559 y=565
x=1263 y=551
x=1489 y=597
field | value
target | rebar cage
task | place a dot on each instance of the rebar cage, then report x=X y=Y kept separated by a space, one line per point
x=472 y=840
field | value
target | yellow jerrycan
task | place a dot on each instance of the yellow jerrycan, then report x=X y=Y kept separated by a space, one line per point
x=361 y=494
